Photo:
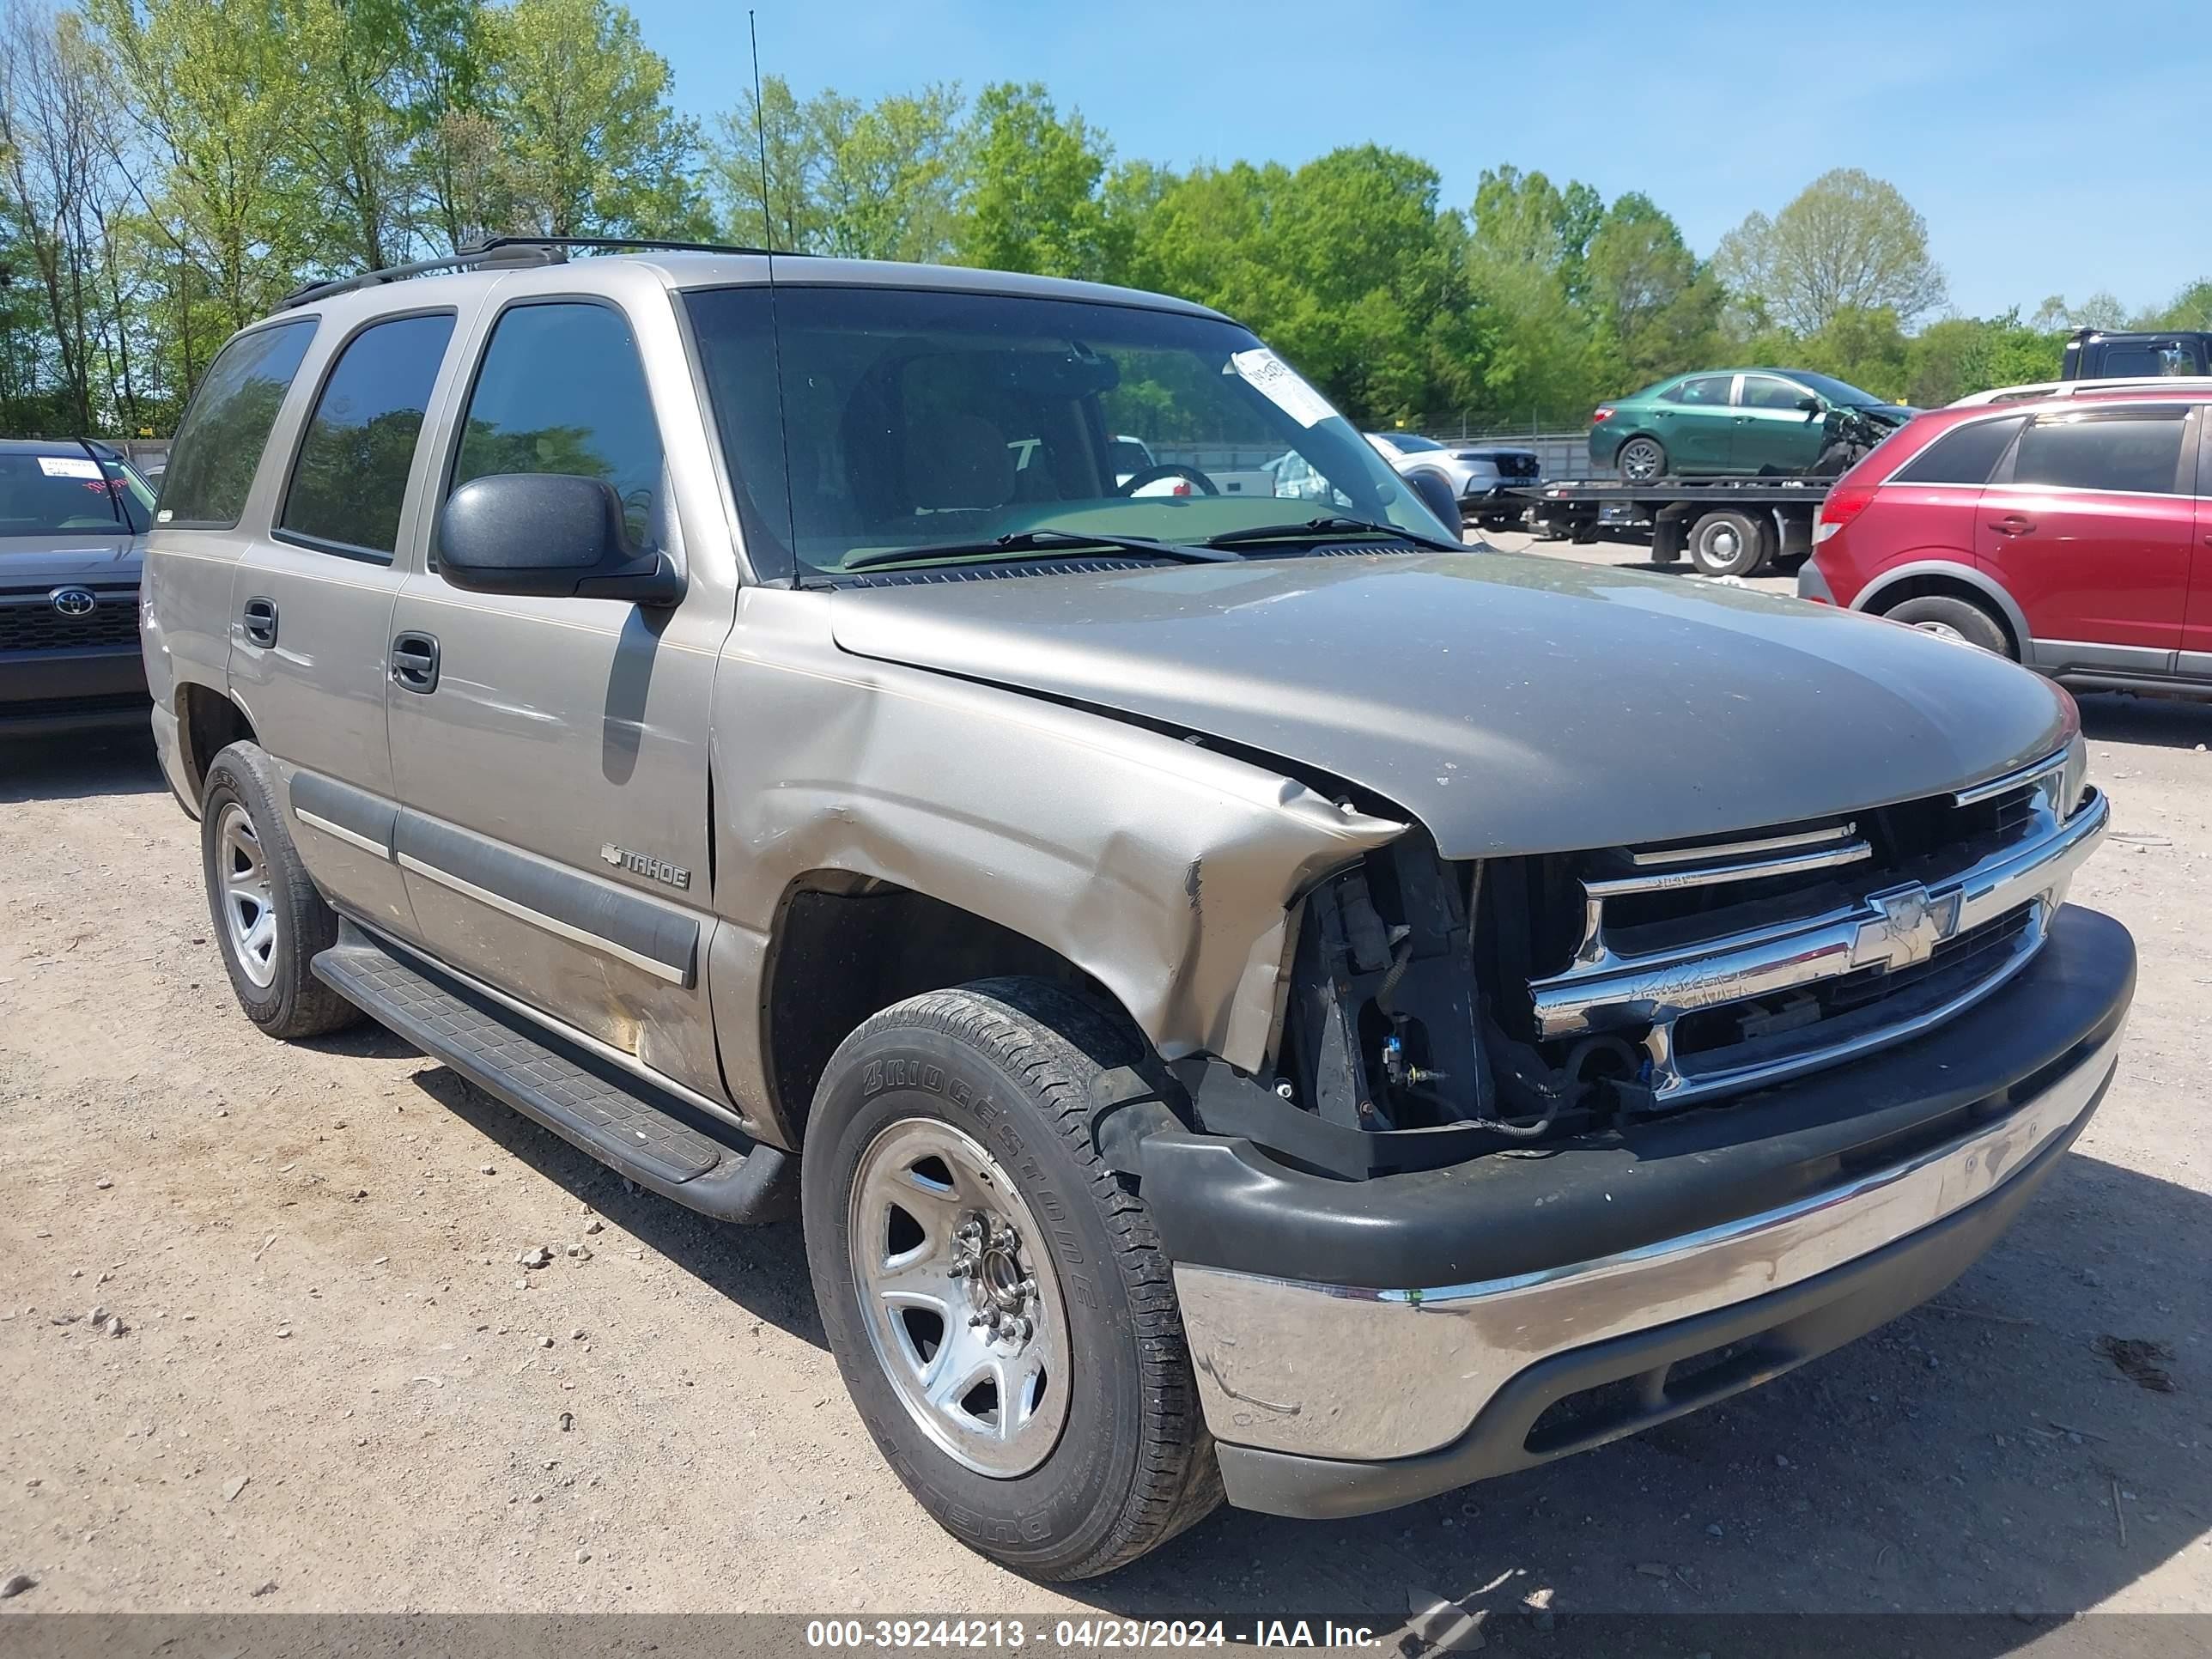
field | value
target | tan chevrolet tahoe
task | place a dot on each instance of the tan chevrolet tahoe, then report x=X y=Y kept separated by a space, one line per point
x=1245 y=996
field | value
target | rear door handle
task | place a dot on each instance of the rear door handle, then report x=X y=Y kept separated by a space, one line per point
x=414 y=662
x=260 y=621
x=2012 y=524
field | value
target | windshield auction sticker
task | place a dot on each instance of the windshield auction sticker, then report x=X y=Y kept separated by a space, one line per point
x=83 y=466
x=1281 y=386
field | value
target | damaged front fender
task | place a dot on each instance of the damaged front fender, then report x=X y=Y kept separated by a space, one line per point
x=1163 y=870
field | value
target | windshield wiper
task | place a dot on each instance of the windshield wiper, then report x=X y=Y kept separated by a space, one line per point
x=1328 y=525
x=1050 y=544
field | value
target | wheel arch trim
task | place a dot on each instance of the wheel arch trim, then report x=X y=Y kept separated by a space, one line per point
x=1951 y=570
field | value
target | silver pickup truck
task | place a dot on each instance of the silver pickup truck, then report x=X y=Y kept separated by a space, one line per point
x=1245 y=995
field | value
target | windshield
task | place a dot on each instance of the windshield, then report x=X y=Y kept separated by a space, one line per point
x=69 y=494
x=1837 y=392
x=1409 y=442
x=917 y=419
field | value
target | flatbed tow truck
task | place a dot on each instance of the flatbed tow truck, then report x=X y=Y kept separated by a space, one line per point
x=1733 y=527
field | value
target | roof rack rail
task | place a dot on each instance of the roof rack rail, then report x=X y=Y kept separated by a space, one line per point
x=520 y=252
x=2016 y=394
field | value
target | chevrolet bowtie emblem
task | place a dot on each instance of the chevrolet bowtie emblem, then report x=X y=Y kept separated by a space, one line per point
x=1912 y=923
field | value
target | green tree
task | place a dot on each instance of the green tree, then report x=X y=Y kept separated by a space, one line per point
x=1032 y=196
x=1866 y=348
x=876 y=181
x=1344 y=266
x=1961 y=354
x=375 y=80
x=1526 y=257
x=213 y=86
x=778 y=133
x=590 y=144
x=1656 y=306
x=1846 y=242
x=2190 y=308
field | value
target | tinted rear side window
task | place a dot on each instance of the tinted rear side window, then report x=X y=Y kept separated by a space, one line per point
x=2139 y=360
x=211 y=464
x=351 y=476
x=2139 y=452
x=1964 y=455
x=562 y=390
x=1709 y=391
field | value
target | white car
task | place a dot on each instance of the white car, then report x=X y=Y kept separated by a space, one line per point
x=1483 y=476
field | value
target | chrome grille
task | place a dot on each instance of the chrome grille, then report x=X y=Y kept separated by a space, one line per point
x=1737 y=962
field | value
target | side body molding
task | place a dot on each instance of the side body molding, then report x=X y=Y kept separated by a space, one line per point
x=1164 y=870
x=355 y=816
x=654 y=936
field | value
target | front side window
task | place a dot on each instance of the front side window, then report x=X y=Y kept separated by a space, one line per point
x=928 y=419
x=2139 y=452
x=131 y=493
x=351 y=477
x=1964 y=455
x=212 y=463
x=562 y=389
x=1765 y=392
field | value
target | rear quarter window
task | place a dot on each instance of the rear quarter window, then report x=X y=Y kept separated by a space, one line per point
x=219 y=446
x=1964 y=455
x=350 y=480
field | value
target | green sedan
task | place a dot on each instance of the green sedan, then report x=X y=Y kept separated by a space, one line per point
x=1737 y=420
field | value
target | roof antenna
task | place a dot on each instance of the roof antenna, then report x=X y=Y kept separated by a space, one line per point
x=775 y=329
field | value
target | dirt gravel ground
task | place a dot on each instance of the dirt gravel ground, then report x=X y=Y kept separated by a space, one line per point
x=335 y=1388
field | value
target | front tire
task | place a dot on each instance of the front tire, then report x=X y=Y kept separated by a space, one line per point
x=269 y=921
x=997 y=1300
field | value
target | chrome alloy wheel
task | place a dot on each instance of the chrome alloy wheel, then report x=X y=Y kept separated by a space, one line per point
x=1721 y=543
x=1639 y=461
x=1942 y=630
x=961 y=1301
x=249 y=911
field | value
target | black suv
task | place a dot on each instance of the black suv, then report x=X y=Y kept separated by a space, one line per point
x=2092 y=353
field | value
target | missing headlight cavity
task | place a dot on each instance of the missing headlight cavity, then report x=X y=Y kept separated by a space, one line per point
x=1387 y=1027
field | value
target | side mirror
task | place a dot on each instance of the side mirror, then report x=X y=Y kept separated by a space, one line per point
x=1434 y=491
x=548 y=534
x=1809 y=403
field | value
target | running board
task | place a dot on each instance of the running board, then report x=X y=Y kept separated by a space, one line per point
x=645 y=1134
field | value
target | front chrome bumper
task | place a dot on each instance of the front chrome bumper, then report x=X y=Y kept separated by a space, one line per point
x=1325 y=1371
x=1604 y=990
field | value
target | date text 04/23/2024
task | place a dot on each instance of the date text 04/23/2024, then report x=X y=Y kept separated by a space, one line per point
x=1082 y=1635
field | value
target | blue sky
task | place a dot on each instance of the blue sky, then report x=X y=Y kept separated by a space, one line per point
x=2054 y=148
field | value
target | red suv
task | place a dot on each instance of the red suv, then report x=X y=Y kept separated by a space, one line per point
x=2069 y=530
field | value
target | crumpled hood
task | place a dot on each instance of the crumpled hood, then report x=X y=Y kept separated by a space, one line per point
x=1514 y=705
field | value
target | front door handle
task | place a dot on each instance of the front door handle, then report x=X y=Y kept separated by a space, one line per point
x=260 y=621
x=414 y=662
x=2012 y=524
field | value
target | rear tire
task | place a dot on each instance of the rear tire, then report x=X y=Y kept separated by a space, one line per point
x=942 y=1129
x=1641 y=459
x=1952 y=619
x=1729 y=544
x=269 y=920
